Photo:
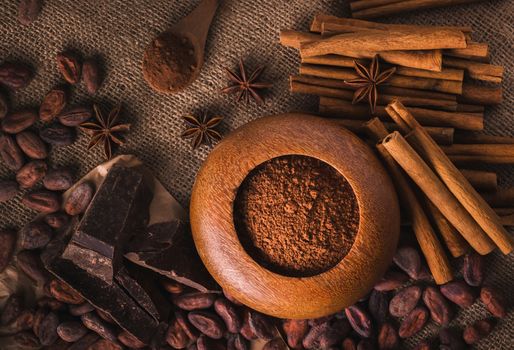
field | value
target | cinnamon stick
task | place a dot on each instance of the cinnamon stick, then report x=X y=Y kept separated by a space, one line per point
x=443 y=136
x=461 y=107
x=481 y=180
x=423 y=39
x=480 y=95
x=437 y=192
x=430 y=246
x=472 y=138
x=366 y=4
x=389 y=90
x=293 y=38
x=484 y=215
x=347 y=25
x=507 y=220
x=383 y=99
x=447 y=86
x=472 y=51
x=476 y=70
x=340 y=108
x=455 y=243
x=481 y=150
x=480 y=160
x=405 y=6
x=504 y=211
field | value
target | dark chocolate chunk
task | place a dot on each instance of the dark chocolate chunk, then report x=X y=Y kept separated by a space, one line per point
x=108 y=297
x=168 y=249
x=118 y=211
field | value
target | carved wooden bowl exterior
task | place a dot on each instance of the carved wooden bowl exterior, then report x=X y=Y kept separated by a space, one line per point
x=217 y=241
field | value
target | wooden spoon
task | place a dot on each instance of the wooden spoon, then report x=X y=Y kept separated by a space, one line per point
x=174 y=59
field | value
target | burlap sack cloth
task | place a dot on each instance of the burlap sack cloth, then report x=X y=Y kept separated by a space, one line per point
x=119 y=30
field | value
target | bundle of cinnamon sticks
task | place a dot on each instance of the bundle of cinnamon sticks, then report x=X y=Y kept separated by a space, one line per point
x=366 y=9
x=431 y=145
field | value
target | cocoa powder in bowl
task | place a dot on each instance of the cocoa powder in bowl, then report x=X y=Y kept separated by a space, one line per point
x=296 y=215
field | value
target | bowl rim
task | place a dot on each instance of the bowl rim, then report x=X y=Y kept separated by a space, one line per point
x=217 y=241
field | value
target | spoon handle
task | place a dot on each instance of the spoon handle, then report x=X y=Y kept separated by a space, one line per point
x=199 y=21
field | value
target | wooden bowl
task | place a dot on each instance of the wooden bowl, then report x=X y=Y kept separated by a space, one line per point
x=217 y=241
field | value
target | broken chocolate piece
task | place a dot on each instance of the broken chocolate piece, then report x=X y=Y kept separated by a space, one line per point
x=168 y=249
x=108 y=297
x=119 y=210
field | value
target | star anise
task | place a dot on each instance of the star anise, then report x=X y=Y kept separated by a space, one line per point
x=369 y=79
x=201 y=130
x=246 y=86
x=105 y=131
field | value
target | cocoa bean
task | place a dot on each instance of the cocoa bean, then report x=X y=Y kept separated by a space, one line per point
x=42 y=201
x=335 y=334
x=237 y=342
x=172 y=286
x=194 y=301
x=11 y=153
x=48 y=329
x=53 y=103
x=477 y=331
x=229 y=313
x=204 y=343
x=75 y=116
x=79 y=310
x=71 y=331
x=349 y=344
x=391 y=280
x=79 y=198
x=175 y=336
x=359 y=320
x=452 y=339
x=32 y=145
x=405 y=301
x=23 y=322
x=58 y=135
x=439 y=309
x=52 y=304
x=208 y=323
x=39 y=316
x=12 y=309
x=194 y=347
x=413 y=322
x=378 y=305
x=15 y=123
x=15 y=75
x=246 y=330
x=31 y=173
x=7 y=246
x=58 y=345
x=261 y=325
x=459 y=293
x=8 y=190
x=64 y=293
x=130 y=341
x=30 y=264
x=275 y=344
x=93 y=322
x=312 y=338
x=91 y=76
x=104 y=316
x=473 y=269
x=388 y=337
x=56 y=220
x=187 y=327
x=26 y=341
x=320 y=320
x=35 y=235
x=85 y=342
x=70 y=67
x=4 y=106
x=104 y=344
x=295 y=331
x=58 y=179
x=408 y=259
x=28 y=11
x=493 y=301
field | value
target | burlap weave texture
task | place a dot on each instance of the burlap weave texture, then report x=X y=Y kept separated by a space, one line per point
x=118 y=32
